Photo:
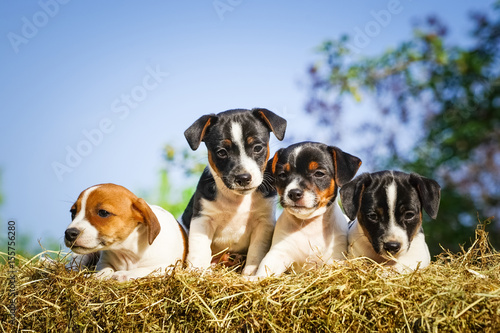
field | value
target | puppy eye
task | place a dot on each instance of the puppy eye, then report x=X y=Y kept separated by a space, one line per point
x=257 y=148
x=222 y=153
x=319 y=174
x=372 y=217
x=73 y=213
x=103 y=213
x=282 y=175
x=409 y=215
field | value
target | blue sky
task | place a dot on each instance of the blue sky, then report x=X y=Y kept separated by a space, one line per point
x=115 y=81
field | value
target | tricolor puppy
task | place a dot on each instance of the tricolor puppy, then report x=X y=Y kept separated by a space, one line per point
x=388 y=207
x=234 y=205
x=312 y=230
x=134 y=239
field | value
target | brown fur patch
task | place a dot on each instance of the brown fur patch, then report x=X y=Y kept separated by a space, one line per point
x=326 y=195
x=184 y=242
x=148 y=218
x=417 y=230
x=123 y=219
x=273 y=165
x=313 y=165
x=267 y=159
x=212 y=163
x=207 y=124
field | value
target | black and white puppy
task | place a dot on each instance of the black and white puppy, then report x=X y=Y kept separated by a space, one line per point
x=388 y=207
x=233 y=208
x=312 y=230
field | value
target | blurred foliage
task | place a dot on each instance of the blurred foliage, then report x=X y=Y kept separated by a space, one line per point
x=179 y=164
x=438 y=111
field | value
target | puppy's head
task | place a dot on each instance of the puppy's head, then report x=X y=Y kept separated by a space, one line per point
x=238 y=145
x=388 y=206
x=308 y=174
x=104 y=216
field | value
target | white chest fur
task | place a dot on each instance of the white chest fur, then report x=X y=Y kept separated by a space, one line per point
x=232 y=217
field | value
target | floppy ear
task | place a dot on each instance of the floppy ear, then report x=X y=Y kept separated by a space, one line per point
x=149 y=218
x=352 y=193
x=429 y=192
x=271 y=164
x=346 y=165
x=275 y=123
x=196 y=132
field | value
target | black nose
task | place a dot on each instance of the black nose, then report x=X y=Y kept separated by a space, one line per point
x=295 y=194
x=392 y=247
x=243 y=179
x=71 y=234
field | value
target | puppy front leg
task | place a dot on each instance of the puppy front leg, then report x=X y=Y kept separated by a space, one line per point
x=260 y=242
x=201 y=234
x=275 y=262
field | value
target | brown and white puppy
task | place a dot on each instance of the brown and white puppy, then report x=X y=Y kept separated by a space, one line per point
x=132 y=237
x=312 y=230
x=388 y=207
x=233 y=207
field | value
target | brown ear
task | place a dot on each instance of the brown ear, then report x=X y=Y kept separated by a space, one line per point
x=196 y=132
x=149 y=218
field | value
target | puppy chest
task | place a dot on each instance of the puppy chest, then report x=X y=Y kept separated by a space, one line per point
x=314 y=243
x=233 y=223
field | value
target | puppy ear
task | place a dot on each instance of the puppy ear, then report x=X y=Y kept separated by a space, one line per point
x=272 y=162
x=346 y=165
x=429 y=192
x=149 y=218
x=197 y=131
x=352 y=193
x=275 y=123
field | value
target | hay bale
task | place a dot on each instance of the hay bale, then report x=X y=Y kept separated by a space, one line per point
x=459 y=292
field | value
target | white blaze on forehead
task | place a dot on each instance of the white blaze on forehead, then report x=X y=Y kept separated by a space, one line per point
x=394 y=232
x=80 y=215
x=296 y=153
x=391 y=201
x=248 y=164
x=88 y=233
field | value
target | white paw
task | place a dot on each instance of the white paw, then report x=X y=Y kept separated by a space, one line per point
x=253 y=278
x=249 y=270
x=104 y=274
x=122 y=276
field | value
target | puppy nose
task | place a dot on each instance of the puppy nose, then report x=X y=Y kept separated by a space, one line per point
x=392 y=247
x=71 y=234
x=295 y=194
x=243 y=179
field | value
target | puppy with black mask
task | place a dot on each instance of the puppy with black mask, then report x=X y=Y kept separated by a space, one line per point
x=312 y=230
x=233 y=208
x=386 y=207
